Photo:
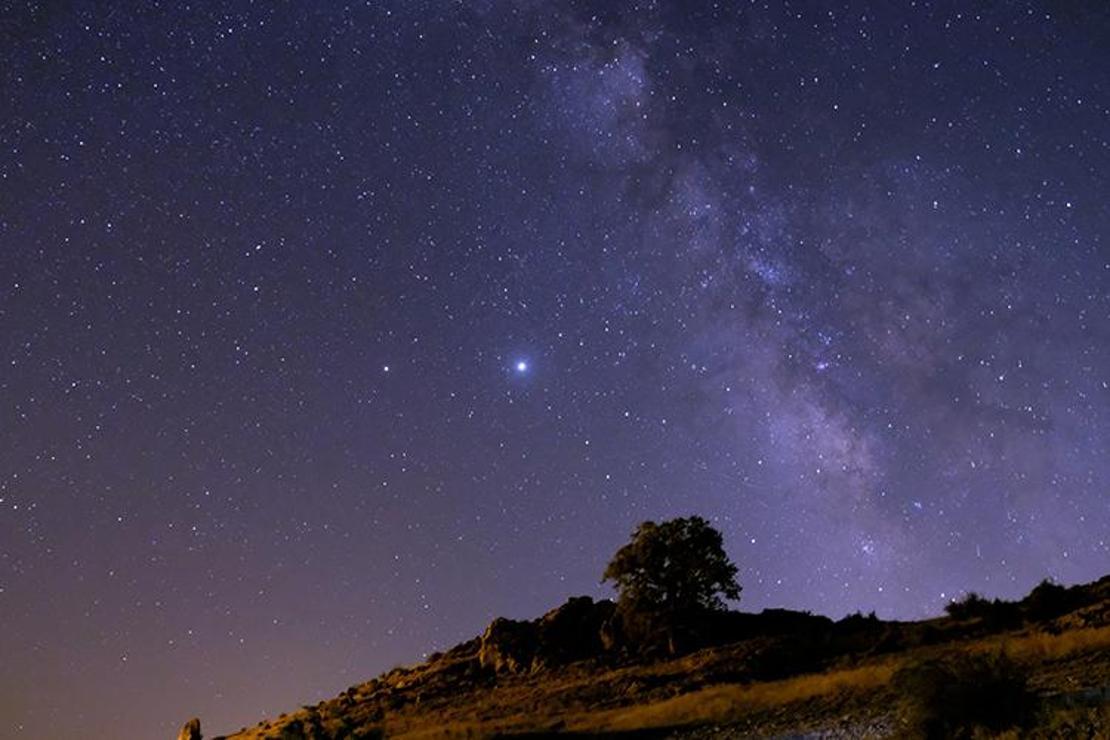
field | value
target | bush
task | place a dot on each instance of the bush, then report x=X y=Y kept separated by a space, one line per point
x=995 y=614
x=972 y=605
x=1050 y=600
x=858 y=621
x=957 y=695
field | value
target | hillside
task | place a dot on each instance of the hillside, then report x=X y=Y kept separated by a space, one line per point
x=773 y=673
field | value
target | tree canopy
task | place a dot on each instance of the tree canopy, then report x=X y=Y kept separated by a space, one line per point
x=677 y=566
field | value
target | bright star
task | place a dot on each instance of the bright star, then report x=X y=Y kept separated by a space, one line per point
x=521 y=366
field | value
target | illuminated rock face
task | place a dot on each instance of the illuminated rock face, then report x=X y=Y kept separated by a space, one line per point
x=508 y=646
x=191 y=730
x=568 y=633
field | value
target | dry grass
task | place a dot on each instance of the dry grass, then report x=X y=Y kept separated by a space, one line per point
x=721 y=703
x=730 y=702
x=1044 y=646
x=568 y=701
x=733 y=702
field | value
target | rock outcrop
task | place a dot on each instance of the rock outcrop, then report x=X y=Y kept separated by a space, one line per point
x=525 y=677
x=508 y=646
x=573 y=631
x=565 y=634
x=191 y=730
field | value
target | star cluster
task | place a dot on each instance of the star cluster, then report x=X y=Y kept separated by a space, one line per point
x=331 y=331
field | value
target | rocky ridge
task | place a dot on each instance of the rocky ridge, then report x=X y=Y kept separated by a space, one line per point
x=554 y=673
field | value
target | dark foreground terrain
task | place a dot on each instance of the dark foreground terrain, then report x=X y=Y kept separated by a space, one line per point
x=1035 y=668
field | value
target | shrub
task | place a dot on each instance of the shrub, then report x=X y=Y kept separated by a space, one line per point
x=858 y=620
x=1050 y=600
x=970 y=606
x=996 y=613
x=954 y=696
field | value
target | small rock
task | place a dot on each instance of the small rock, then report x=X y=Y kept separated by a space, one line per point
x=191 y=730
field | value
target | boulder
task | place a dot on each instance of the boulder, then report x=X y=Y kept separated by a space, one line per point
x=191 y=730
x=565 y=634
x=508 y=646
x=573 y=631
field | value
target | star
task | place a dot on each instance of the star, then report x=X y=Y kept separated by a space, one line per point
x=521 y=367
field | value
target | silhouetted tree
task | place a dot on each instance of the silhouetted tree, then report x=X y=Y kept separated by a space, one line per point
x=676 y=567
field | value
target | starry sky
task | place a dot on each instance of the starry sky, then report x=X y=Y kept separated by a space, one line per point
x=330 y=331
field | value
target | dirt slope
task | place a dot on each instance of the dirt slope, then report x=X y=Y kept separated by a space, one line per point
x=777 y=673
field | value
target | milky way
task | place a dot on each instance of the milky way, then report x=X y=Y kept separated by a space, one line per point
x=330 y=332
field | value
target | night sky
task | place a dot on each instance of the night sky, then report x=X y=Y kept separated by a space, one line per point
x=328 y=332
